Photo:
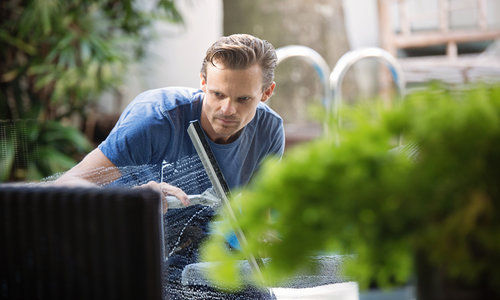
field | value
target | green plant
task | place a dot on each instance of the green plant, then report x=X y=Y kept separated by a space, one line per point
x=364 y=197
x=59 y=56
x=31 y=150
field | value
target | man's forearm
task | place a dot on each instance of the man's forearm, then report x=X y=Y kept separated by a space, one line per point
x=71 y=180
x=96 y=177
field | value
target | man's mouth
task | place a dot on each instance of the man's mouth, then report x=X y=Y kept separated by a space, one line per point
x=227 y=121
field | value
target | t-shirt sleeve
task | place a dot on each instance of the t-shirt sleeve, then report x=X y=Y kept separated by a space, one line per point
x=132 y=142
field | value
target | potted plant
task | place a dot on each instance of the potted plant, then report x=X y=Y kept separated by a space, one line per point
x=426 y=208
x=58 y=57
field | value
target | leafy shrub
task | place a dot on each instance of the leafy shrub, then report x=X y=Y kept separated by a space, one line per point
x=57 y=58
x=383 y=204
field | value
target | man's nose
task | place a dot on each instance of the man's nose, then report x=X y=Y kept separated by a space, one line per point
x=228 y=108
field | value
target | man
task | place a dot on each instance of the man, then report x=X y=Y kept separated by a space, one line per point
x=236 y=79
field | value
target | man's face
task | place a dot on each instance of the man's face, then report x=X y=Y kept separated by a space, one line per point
x=231 y=99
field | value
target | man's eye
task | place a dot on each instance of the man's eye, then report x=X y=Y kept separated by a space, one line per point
x=243 y=99
x=218 y=95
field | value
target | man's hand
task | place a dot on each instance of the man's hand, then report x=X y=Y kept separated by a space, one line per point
x=165 y=190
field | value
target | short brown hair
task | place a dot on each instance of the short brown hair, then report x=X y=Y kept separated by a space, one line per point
x=240 y=51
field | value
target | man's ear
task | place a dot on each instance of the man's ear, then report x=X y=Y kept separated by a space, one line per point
x=203 y=83
x=268 y=92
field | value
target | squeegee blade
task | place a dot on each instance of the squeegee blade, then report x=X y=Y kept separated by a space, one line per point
x=219 y=183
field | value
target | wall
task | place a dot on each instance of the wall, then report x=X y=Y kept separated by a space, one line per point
x=316 y=24
x=175 y=57
x=362 y=19
x=361 y=22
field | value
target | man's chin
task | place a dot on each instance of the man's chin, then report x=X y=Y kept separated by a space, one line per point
x=226 y=132
x=229 y=128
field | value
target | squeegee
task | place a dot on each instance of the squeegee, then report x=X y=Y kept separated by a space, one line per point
x=220 y=186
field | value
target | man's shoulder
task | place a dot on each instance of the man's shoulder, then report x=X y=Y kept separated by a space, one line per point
x=168 y=98
x=266 y=113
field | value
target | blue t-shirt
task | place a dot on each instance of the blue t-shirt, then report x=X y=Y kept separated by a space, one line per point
x=152 y=131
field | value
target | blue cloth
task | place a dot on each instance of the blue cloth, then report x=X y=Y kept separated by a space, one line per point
x=153 y=130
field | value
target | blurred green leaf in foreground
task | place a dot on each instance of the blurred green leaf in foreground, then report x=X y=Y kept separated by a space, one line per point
x=367 y=197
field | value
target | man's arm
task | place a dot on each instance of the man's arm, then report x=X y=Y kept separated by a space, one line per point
x=95 y=169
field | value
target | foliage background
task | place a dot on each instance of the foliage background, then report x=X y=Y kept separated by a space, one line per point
x=57 y=58
x=392 y=208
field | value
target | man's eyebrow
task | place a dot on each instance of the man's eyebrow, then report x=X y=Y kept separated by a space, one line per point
x=214 y=91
